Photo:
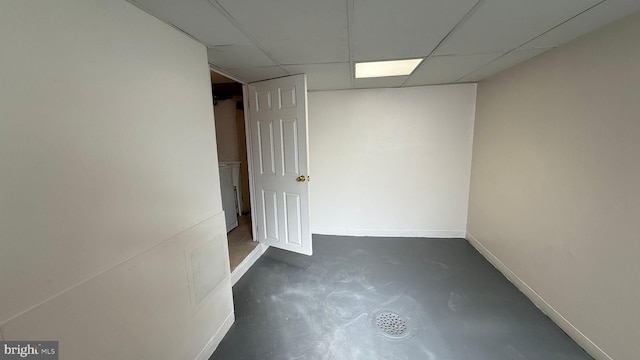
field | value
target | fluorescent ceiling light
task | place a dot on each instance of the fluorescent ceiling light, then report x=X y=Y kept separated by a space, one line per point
x=386 y=68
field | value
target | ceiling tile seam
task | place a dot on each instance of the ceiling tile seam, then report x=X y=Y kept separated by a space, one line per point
x=430 y=84
x=464 y=19
x=483 y=66
x=413 y=57
x=519 y=47
x=472 y=53
x=251 y=67
x=378 y=87
x=350 y=10
x=496 y=59
x=320 y=63
x=231 y=45
x=235 y=23
x=562 y=23
x=166 y=22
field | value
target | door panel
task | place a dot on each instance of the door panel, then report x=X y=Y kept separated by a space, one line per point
x=290 y=161
x=266 y=148
x=270 y=209
x=278 y=127
x=292 y=208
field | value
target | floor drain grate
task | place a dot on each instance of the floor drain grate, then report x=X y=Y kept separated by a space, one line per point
x=391 y=324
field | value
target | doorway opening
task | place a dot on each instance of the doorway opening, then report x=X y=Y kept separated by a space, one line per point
x=233 y=165
x=262 y=149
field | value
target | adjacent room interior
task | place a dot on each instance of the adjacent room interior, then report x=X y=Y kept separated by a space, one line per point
x=302 y=179
x=231 y=141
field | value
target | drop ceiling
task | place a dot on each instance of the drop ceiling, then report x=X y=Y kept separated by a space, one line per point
x=461 y=40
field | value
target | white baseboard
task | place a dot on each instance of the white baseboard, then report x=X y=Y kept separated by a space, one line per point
x=582 y=340
x=246 y=264
x=392 y=233
x=215 y=340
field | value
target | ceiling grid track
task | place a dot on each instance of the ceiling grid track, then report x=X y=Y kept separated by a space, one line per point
x=562 y=23
x=235 y=23
x=444 y=39
x=518 y=48
x=350 y=9
x=211 y=66
x=465 y=42
x=132 y=2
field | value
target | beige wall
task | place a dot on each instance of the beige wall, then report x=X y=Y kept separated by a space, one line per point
x=109 y=195
x=555 y=195
x=227 y=131
x=391 y=162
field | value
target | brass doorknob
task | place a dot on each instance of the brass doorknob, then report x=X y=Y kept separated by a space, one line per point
x=301 y=178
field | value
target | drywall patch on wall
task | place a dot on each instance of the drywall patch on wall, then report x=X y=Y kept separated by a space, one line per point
x=26 y=310
x=139 y=309
x=391 y=162
x=203 y=267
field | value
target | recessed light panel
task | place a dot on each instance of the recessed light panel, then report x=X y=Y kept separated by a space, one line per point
x=386 y=68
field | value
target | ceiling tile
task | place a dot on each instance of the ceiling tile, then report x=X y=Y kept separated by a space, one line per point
x=503 y=63
x=238 y=56
x=198 y=18
x=295 y=31
x=383 y=29
x=324 y=76
x=257 y=73
x=448 y=69
x=380 y=82
x=506 y=24
x=605 y=13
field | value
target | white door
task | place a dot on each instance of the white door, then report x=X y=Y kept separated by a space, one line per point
x=278 y=125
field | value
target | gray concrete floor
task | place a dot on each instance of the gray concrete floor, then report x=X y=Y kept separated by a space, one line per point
x=433 y=299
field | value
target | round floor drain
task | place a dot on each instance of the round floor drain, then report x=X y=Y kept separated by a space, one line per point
x=391 y=324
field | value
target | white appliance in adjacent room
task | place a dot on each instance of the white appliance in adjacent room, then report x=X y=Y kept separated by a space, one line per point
x=231 y=192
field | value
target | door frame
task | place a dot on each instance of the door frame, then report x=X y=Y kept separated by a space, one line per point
x=246 y=109
x=250 y=154
x=242 y=268
x=247 y=140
